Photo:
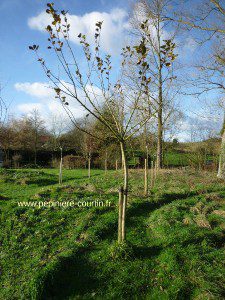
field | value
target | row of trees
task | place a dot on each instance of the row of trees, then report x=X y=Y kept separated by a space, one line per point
x=31 y=134
x=29 y=139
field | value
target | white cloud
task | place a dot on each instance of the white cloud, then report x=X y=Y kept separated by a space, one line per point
x=183 y=136
x=36 y=89
x=55 y=107
x=47 y=104
x=190 y=45
x=113 y=31
x=40 y=21
x=26 y=108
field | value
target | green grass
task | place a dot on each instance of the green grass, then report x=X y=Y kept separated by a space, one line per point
x=174 y=237
x=176 y=159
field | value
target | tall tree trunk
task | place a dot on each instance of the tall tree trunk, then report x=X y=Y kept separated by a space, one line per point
x=221 y=171
x=35 y=156
x=35 y=149
x=159 y=159
x=125 y=188
x=52 y=160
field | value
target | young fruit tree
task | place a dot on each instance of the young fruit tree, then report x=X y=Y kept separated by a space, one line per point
x=94 y=88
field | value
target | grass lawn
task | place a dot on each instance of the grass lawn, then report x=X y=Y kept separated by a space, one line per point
x=174 y=244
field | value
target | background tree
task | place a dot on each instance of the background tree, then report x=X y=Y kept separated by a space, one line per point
x=4 y=133
x=7 y=138
x=3 y=108
x=150 y=24
x=210 y=19
x=58 y=126
x=36 y=130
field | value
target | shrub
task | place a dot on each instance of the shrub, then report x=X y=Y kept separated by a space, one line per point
x=16 y=160
x=73 y=162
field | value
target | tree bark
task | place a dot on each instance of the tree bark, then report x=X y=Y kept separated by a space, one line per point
x=221 y=171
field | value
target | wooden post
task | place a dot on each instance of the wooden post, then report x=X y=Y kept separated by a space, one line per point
x=147 y=154
x=123 y=223
x=125 y=188
x=106 y=163
x=89 y=165
x=116 y=165
x=146 y=178
x=120 y=213
x=60 y=166
x=156 y=172
x=152 y=174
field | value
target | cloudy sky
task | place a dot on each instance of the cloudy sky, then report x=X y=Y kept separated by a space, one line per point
x=23 y=23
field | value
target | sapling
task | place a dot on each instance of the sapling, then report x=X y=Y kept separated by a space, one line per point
x=94 y=88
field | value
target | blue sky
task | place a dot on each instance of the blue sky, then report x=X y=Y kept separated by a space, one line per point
x=21 y=25
x=17 y=63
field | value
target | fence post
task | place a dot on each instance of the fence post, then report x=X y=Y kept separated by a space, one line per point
x=89 y=165
x=120 y=213
x=106 y=162
x=156 y=173
x=124 y=205
x=60 y=166
x=152 y=174
x=146 y=178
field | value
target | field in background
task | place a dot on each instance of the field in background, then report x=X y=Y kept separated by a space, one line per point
x=175 y=237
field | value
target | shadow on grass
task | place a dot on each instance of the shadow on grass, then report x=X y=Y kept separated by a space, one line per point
x=94 y=175
x=73 y=277
x=4 y=198
x=110 y=232
x=145 y=207
x=44 y=181
x=54 y=180
x=142 y=252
